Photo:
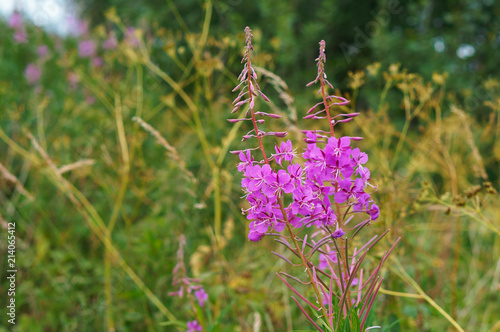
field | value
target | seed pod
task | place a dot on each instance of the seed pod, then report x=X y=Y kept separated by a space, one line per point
x=472 y=191
x=459 y=200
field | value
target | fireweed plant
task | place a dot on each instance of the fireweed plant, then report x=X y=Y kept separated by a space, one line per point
x=327 y=189
x=189 y=288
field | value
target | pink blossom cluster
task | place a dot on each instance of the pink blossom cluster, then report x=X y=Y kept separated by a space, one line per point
x=331 y=176
x=16 y=22
x=325 y=184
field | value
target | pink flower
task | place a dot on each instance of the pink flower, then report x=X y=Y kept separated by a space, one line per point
x=336 y=147
x=86 y=48
x=20 y=37
x=338 y=233
x=296 y=172
x=130 y=37
x=32 y=73
x=246 y=160
x=374 y=212
x=277 y=183
x=254 y=177
x=255 y=236
x=42 y=50
x=73 y=80
x=201 y=296
x=77 y=26
x=97 y=62
x=16 y=21
x=193 y=326
x=111 y=42
x=284 y=152
x=323 y=259
x=90 y=99
x=348 y=190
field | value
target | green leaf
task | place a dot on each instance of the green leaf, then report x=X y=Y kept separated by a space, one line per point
x=325 y=324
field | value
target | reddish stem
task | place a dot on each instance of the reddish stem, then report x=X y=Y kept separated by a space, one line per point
x=323 y=94
x=250 y=92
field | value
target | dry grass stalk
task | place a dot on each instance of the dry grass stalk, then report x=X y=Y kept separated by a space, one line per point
x=479 y=167
x=78 y=164
x=171 y=151
x=3 y=223
x=9 y=177
x=282 y=88
x=51 y=165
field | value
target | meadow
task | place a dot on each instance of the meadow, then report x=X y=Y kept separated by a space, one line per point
x=115 y=152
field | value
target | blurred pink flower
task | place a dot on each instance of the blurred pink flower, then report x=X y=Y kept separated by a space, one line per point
x=111 y=42
x=201 y=296
x=73 y=80
x=97 y=62
x=16 y=20
x=42 y=50
x=86 y=48
x=20 y=37
x=194 y=326
x=130 y=37
x=32 y=73
x=83 y=27
x=77 y=27
x=90 y=99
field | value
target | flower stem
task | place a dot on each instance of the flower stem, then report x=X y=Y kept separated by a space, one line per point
x=327 y=110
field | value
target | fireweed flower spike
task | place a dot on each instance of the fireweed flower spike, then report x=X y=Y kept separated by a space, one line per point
x=321 y=77
x=338 y=171
x=188 y=286
x=264 y=186
x=327 y=190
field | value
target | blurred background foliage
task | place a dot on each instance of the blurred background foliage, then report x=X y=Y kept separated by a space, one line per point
x=425 y=35
x=100 y=200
